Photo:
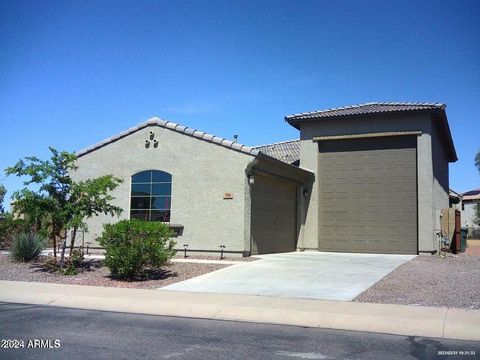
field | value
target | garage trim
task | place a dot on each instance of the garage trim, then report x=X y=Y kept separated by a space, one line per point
x=366 y=135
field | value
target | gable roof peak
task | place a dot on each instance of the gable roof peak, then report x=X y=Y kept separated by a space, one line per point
x=156 y=121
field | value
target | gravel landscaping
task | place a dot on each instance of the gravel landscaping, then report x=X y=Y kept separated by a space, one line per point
x=453 y=281
x=98 y=275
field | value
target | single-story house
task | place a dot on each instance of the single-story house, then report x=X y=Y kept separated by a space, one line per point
x=363 y=178
x=470 y=199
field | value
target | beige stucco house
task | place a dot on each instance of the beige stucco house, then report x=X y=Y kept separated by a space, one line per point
x=364 y=178
x=470 y=199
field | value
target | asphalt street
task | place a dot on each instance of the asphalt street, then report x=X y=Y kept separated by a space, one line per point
x=43 y=332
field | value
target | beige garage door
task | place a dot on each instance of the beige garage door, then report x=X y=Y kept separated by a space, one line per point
x=273 y=225
x=368 y=195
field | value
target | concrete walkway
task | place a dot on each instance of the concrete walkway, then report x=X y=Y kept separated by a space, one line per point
x=382 y=318
x=310 y=275
x=177 y=260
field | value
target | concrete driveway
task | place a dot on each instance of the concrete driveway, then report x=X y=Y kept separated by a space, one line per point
x=312 y=275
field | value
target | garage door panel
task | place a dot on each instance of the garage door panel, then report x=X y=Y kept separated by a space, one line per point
x=274 y=219
x=368 y=197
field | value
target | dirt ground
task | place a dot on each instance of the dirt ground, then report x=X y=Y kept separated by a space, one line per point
x=430 y=280
x=95 y=274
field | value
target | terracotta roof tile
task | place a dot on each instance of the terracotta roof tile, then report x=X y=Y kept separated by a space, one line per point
x=286 y=151
x=367 y=108
x=471 y=195
x=174 y=127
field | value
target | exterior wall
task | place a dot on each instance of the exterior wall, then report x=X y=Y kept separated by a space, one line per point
x=468 y=218
x=202 y=172
x=468 y=213
x=440 y=187
x=370 y=124
x=309 y=161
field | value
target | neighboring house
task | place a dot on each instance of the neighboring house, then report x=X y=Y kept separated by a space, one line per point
x=455 y=199
x=364 y=178
x=469 y=201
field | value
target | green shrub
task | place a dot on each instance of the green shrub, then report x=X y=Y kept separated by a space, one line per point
x=9 y=226
x=51 y=264
x=477 y=213
x=133 y=246
x=26 y=246
x=70 y=270
x=75 y=262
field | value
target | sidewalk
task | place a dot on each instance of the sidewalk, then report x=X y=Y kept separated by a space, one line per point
x=179 y=260
x=382 y=318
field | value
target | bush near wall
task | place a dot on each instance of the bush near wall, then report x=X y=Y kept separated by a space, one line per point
x=133 y=246
x=9 y=227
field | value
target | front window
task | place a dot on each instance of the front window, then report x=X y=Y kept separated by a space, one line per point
x=151 y=196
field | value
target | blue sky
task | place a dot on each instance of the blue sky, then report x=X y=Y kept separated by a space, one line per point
x=75 y=72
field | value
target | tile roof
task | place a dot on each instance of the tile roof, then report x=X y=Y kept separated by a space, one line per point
x=471 y=195
x=155 y=121
x=453 y=194
x=435 y=109
x=367 y=108
x=286 y=151
x=472 y=192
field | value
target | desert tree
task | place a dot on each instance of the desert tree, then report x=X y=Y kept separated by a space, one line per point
x=89 y=198
x=58 y=203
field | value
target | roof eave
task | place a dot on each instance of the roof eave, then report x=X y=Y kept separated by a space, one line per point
x=296 y=122
x=155 y=121
x=453 y=152
x=266 y=157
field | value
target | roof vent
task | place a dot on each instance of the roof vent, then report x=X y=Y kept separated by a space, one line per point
x=235 y=138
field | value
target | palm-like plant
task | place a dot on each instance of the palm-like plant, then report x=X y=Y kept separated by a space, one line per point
x=477 y=161
x=26 y=247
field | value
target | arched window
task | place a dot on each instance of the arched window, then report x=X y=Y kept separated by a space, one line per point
x=151 y=196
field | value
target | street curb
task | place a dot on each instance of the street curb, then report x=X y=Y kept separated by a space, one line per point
x=406 y=320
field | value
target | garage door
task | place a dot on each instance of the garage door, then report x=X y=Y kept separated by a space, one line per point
x=368 y=195
x=273 y=224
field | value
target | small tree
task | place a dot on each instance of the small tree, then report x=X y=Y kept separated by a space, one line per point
x=89 y=198
x=11 y=226
x=49 y=201
x=60 y=203
x=3 y=191
x=32 y=209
